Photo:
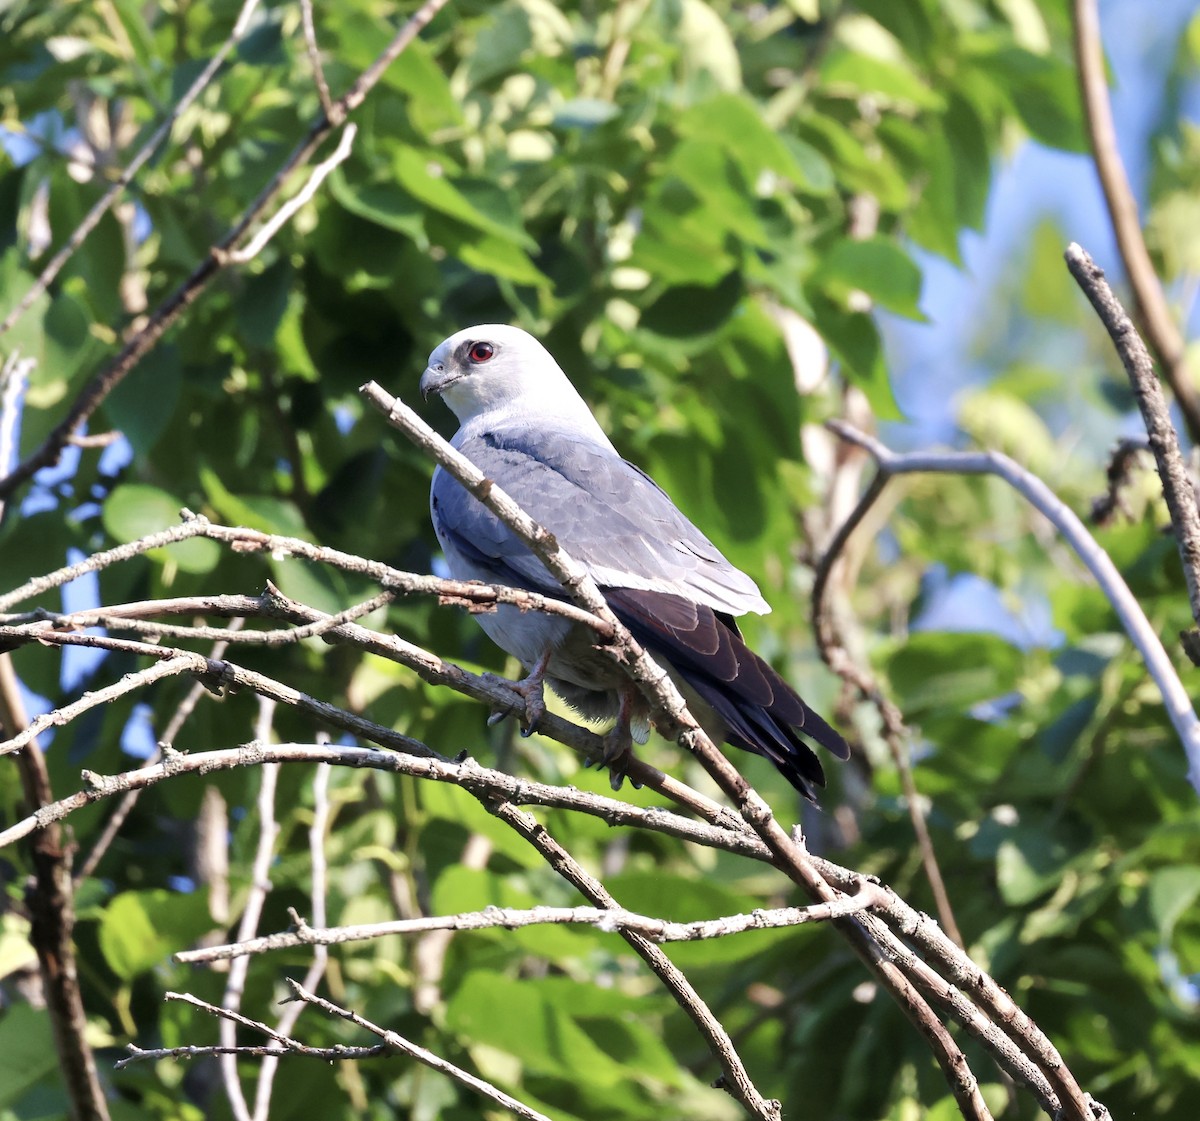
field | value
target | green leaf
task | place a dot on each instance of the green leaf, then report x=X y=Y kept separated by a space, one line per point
x=849 y=73
x=141 y=406
x=424 y=176
x=877 y=267
x=26 y=1050
x=139 y=930
x=733 y=122
x=854 y=338
x=486 y=1007
x=382 y=202
x=1171 y=895
x=941 y=669
x=692 y=310
x=1028 y=864
x=432 y=105
x=1044 y=92
x=135 y=510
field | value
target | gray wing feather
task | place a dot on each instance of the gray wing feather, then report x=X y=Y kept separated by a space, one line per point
x=609 y=515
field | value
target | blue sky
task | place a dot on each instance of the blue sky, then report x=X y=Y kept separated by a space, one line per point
x=932 y=361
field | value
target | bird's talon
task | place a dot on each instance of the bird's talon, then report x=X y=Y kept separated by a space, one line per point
x=495 y=716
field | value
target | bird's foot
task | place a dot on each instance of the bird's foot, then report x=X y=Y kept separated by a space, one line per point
x=532 y=688
x=617 y=753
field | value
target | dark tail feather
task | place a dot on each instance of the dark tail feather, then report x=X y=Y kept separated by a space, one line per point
x=763 y=713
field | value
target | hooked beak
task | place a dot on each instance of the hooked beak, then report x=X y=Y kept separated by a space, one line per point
x=435 y=379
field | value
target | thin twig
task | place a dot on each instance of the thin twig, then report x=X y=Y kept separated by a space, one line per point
x=468 y=774
x=1118 y=474
x=468 y=593
x=735 y=1079
x=1150 y=300
x=406 y=1047
x=57 y=718
x=314 y=55
x=835 y=654
x=105 y=202
x=51 y=904
x=221 y=674
x=284 y=214
x=125 y=806
x=1177 y=486
x=127 y=617
x=320 y=958
x=13 y=379
x=259 y=888
x=279 y=1041
x=608 y=920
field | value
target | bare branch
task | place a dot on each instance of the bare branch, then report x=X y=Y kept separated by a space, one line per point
x=320 y=958
x=260 y=886
x=834 y=653
x=128 y=617
x=282 y=1044
x=1118 y=474
x=125 y=806
x=654 y=929
x=14 y=376
x=284 y=214
x=58 y=717
x=1164 y=334
x=221 y=674
x=468 y=774
x=52 y=921
x=1178 y=490
x=406 y=1047
x=735 y=1079
x=314 y=56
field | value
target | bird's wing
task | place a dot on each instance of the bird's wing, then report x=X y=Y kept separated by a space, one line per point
x=608 y=515
x=761 y=711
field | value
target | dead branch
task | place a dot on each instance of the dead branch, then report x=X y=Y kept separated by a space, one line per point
x=1178 y=490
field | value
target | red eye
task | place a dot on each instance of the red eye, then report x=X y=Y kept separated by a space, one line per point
x=480 y=352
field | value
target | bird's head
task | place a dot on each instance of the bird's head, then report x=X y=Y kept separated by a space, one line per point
x=494 y=369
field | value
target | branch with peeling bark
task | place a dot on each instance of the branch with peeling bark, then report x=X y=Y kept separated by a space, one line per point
x=1178 y=488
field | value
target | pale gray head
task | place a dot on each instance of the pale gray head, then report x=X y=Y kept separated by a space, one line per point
x=497 y=372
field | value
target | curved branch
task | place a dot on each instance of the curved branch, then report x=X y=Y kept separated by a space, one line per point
x=1158 y=663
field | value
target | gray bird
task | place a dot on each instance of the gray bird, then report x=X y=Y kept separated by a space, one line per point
x=524 y=426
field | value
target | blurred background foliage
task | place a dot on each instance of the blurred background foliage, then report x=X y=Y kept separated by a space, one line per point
x=706 y=210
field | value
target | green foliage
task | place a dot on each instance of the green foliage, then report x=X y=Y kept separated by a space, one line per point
x=653 y=189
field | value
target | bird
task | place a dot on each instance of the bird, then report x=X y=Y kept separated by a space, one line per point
x=526 y=427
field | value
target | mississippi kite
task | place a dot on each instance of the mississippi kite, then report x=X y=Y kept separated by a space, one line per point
x=525 y=427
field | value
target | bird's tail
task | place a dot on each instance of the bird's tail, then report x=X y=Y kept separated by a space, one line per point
x=761 y=711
